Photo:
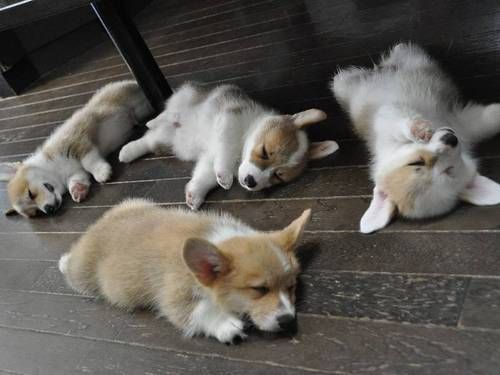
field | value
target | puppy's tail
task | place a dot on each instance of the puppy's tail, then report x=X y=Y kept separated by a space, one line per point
x=79 y=272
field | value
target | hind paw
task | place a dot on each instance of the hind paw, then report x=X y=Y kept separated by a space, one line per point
x=421 y=131
x=225 y=180
x=79 y=192
x=194 y=199
x=102 y=172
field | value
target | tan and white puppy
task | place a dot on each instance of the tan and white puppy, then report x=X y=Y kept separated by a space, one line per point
x=204 y=272
x=227 y=133
x=74 y=149
x=419 y=133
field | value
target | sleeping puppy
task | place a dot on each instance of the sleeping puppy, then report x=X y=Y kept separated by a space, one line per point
x=227 y=133
x=419 y=133
x=74 y=149
x=204 y=272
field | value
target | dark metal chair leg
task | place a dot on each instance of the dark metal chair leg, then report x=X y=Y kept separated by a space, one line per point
x=134 y=51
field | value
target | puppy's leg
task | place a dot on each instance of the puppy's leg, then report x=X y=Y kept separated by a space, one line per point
x=96 y=165
x=226 y=148
x=209 y=320
x=154 y=139
x=406 y=55
x=201 y=183
x=78 y=186
x=480 y=121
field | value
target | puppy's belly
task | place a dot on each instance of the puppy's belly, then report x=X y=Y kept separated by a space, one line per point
x=187 y=146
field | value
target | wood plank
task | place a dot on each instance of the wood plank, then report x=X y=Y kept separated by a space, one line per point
x=482 y=304
x=30 y=352
x=462 y=254
x=322 y=344
x=328 y=214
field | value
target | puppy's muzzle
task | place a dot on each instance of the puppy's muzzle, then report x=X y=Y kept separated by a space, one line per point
x=450 y=139
x=287 y=323
x=250 y=181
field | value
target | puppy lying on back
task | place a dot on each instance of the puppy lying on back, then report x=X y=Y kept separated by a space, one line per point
x=203 y=272
x=74 y=149
x=227 y=133
x=419 y=133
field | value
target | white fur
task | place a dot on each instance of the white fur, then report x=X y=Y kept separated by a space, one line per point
x=215 y=128
x=111 y=113
x=208 y=319
x=385 y=102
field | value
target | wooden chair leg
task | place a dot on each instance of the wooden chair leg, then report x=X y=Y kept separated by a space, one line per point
x=134 y=51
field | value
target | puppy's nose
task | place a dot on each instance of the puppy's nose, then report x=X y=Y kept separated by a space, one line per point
x=49 y=209
x=286 y=322
x=449 y=139
x=250 y=181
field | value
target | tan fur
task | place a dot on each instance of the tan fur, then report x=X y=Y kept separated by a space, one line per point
x=279 y=138
x=76 y=148
x=133 y=256
x=405 y=183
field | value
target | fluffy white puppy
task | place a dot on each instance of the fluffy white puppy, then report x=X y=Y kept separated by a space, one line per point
x=226 y=132
x=419 y=133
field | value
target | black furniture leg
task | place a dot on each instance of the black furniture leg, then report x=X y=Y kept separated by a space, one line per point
x=134 y=51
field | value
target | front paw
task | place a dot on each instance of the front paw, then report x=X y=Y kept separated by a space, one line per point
x=230 y=331
x=194 y=199
x=102 y=172
x=79 y=192
x=126 y=155
x=421 y=131
x=225 y=179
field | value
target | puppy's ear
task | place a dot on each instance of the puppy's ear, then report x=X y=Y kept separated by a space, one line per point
x=311 y=116
x=204 y=260
x=290 y=236
x=481 y=191
x=379 y=214
x=10 y=212
x=8 y=170
x=319 y=150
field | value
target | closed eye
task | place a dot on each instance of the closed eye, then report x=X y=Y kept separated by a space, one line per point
x=262 y=290
x=417 y=163
x=49 y=187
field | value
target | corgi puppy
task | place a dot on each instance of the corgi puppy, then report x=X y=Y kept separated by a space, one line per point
x=203 y=272
x=419 y=133
x=226 y=132
x=74 y=149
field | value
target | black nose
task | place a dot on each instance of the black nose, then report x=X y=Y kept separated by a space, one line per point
x=449 y=139
x=49 y=209
x=287 y=322
x=250 y=181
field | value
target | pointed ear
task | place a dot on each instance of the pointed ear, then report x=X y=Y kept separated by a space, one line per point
x=290 y=236
x=481 y=191
x=319 y=150
x=311 y=116
x=204 y=260
x=379 y=214
x=8 y=170
x=10 y=212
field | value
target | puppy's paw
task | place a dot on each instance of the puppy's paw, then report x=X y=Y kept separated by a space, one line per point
x=126 y=155
x=225 y=180
x=421 y=131
x=194 y=199
x=79 y=191
x=102 y=172
x=230 y=331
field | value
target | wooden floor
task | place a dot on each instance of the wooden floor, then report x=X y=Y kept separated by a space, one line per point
x=417 y=298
